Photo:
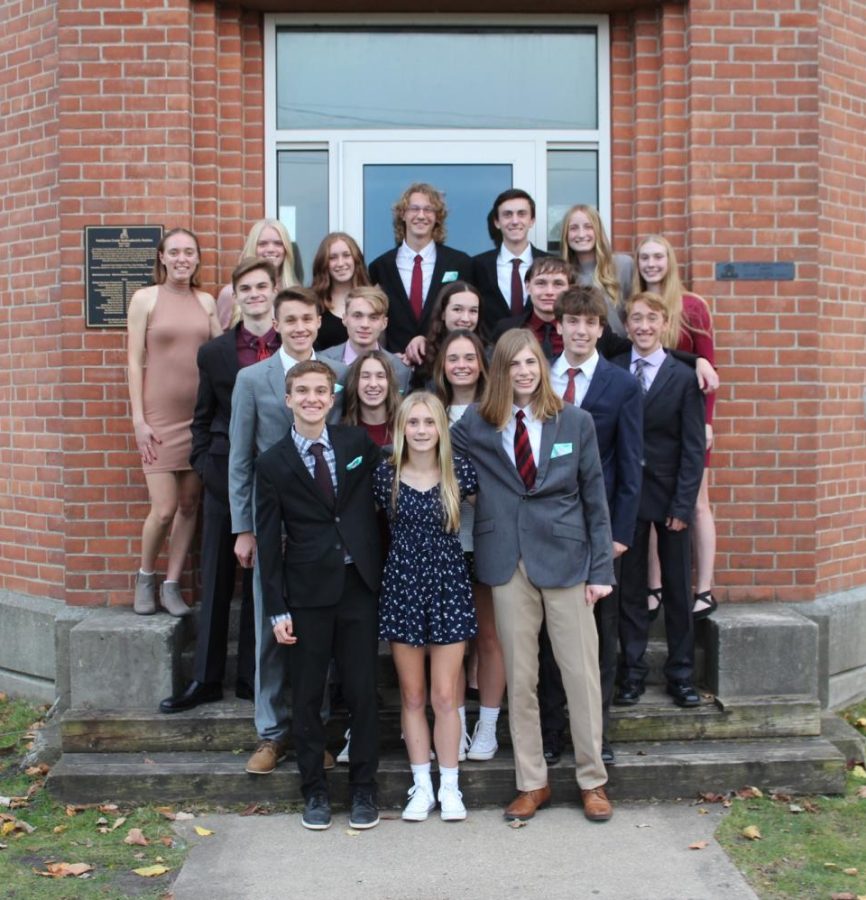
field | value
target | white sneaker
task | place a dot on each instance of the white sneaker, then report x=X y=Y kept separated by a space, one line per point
x=343 y=755
x=463 y=746
x=420 y=805
x=484 y=744
x=451 y=803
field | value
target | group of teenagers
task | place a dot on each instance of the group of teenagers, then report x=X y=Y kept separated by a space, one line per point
x=507 y=451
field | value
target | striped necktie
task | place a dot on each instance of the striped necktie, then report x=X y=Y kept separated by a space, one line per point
x=523 y=452
x=640 y=373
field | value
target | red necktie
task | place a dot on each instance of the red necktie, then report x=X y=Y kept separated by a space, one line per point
x=523 y=452
x=568 y=396
x=517 y=299
x=321 y=472
x=262 y=349
x=416 y=291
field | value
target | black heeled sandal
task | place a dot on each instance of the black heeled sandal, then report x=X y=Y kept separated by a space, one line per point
x=704 y=597
x=656 y=594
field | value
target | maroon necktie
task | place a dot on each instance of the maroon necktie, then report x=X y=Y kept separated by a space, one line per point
x=523 y=452
x=517 y=298
x=262 y=349
x=321 y=472
x=416 y=291
x=568 y=396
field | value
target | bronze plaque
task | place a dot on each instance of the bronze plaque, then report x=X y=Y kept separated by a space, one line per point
x=118 y=261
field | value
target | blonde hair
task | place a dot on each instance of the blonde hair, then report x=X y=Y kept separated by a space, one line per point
x=670 y=290
x=604 y=275
x=449 y=490
x=375 y=296
x=286 y=272
x=498 y=398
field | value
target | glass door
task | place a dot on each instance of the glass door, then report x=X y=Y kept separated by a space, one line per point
x=470 y=174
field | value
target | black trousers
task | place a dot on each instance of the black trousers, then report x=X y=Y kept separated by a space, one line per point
x=218 y=566
x=551 y=694
x=675 y=560
x=348 y=632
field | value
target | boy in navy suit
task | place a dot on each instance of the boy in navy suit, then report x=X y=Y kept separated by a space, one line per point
x=674 y=444
x=321 y=592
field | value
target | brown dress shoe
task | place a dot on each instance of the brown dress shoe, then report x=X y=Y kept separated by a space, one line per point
x=265 y=757
x=329 y=762
x=524 y=805
x=596 y=806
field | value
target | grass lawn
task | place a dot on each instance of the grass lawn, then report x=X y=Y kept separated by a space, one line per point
x=809 y=847
x=95 y=836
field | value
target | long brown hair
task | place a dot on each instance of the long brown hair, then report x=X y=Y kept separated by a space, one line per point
x=322 y=275
x=159 y=270
x=670 y=290
x=436 y=332
x=352 y=399
x=444 y=390
x=498 y=400
x=449 y=490
x=605 y=271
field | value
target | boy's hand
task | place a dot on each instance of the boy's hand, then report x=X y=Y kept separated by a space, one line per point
x=283 y=632
x=672 y=523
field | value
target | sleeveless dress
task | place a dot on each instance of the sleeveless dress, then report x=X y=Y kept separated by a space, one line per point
x=426 y=595
x=176 y=328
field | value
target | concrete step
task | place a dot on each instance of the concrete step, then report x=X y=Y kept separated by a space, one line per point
x=644 y=770
x=228 y=725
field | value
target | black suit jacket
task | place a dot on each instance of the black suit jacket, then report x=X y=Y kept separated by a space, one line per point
x=484 y=277
x=311 y=571
x=217 y=370
x=674 y=442
x=402 y=324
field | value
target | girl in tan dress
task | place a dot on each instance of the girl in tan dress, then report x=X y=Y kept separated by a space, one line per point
x=167 y=323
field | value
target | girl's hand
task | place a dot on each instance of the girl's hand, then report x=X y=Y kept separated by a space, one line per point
x=415 y=350
x=146 y=440
x=594 y=593
x=709 y=433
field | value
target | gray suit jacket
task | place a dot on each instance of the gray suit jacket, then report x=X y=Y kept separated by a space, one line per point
x=561 y=528
x=259 y=419
x=402 y=372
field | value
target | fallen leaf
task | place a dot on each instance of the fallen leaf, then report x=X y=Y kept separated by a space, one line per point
x=3 y=697
x=102 y=821
x=14 y=802
x=38 y=770
x=136 y=836
x=851 y=871
x=183 y=816
x=861 y=792
x=117 y=823
x=703 y=811
x=699 y=845
x=352 y=832
x=62 y=870
x=12 y=825
x=71 y=811
x=151 y=871
x=517 y=823
x=203 y=832
x=167 y=841
x=712 y=798
x=859 y=772
x=795 y=808
x=861 y=722
x=3 y=846
x=139 y=855
x=59 y=829
x=149 y=762
x=752 y=832
x=830 y=866
x=643 y=825
x=748 y=792
x=845 y=895
x=108 y=807
x=166 y=811
x=782 y=798
x=811 y=807
x=254 y=810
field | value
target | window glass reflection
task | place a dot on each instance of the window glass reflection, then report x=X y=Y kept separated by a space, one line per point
x=572 y=177
x=302 y=191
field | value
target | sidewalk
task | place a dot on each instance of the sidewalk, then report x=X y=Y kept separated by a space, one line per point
x=641 y=853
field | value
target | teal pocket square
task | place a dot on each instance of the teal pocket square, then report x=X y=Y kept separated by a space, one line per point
x=449 y=276
x=355 y=462
x=561 y=450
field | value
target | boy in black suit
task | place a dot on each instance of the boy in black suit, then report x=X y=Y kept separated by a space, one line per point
x=674 y=445
x=413 y=273
x=321 y=593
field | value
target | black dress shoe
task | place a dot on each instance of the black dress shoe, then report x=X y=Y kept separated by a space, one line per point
x=317 y=812
x=365 y=812
x=608 y=757
x=243 y=691
x=684 y=694
x=552 y=748
x=196 y=693
x=628 y=693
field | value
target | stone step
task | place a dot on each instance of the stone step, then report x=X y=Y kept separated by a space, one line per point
x=229 y=725
x=645 y=770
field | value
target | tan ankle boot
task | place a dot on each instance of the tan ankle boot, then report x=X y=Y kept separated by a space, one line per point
x=145 y=594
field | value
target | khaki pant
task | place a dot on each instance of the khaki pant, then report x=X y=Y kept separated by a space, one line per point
x=519 y=607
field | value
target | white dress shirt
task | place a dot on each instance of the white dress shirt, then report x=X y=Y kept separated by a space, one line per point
x=406 y=264
x=289 y=362
x=559 y=376
x=503 y=269
x=533 y=429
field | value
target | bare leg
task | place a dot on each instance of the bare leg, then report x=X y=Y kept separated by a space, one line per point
x=446 y=663
x=409 y=662
x=654 y=571
x=163 y=490
x=183 y=528
x=704 y=542
x=491 y=665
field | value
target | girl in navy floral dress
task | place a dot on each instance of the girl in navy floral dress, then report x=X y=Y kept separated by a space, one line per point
x=426 y=598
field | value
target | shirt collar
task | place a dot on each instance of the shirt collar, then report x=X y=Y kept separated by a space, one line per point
x=561 y=365
x=289 y=362
x=528 y=414
x=655 y=359
x=505 y=255
x=303 y=443
x=427 y=254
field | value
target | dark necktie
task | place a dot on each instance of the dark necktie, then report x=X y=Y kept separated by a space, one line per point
x=547 y=341
x=639 y=373
x=262 y=349
x=517 y=298
x=321 y=472
x=416 y=291
x=523 y=452
x=568 y=396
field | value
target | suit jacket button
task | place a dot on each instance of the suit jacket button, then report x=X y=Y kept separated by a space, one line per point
x=336 y=518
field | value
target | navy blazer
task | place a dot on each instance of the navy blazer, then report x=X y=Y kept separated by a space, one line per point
x=485 y=278
x=674 y=442
x=615 y=402
x=402 y=324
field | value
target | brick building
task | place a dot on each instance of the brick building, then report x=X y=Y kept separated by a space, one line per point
x=734 y=128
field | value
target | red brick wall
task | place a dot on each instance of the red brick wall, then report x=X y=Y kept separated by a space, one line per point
x=31 y=466
x=840 y=327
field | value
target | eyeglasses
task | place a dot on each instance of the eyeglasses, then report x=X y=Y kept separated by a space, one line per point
x=427 y=210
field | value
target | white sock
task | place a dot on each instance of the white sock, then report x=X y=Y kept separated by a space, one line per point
x=488 y=714
x=448 y=776
x=168 y=581
x=142 y=572
x=421 y=776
